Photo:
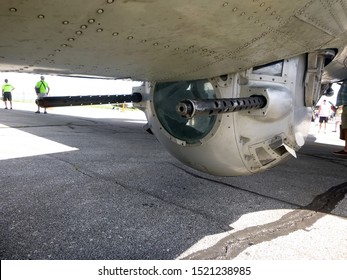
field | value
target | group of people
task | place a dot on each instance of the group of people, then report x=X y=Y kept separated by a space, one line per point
x=340 y=116
x=41 y=89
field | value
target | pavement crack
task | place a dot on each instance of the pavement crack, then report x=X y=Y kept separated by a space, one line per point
x=236 y=187
x=74 y=166
x=81 y=171
x=327 y=201
x=220 y=224
x=299 y=219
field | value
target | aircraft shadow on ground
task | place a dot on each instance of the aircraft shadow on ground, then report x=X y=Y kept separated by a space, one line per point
x=122 y=196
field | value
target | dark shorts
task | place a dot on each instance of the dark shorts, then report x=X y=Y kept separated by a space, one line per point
x=323 y=119
x=7 y=96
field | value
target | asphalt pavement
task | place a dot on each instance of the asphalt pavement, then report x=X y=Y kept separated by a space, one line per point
x=90 y=183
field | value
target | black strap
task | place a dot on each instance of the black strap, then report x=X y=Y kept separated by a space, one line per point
x=42 y=84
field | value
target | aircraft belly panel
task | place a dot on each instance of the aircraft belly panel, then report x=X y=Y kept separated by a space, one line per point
x=162 y=40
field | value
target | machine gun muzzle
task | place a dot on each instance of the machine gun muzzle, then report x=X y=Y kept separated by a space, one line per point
x=190 y=108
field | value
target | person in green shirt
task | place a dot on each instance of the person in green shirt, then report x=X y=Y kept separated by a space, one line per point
x=41 y=89
x=7 y=93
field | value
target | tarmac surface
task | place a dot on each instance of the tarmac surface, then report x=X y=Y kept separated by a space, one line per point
x=89 y=183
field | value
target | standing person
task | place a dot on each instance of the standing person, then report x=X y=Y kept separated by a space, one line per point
x=323 y=113
x=342 y=100
x=41 y=89
x=6 y=93
x=338 y=117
